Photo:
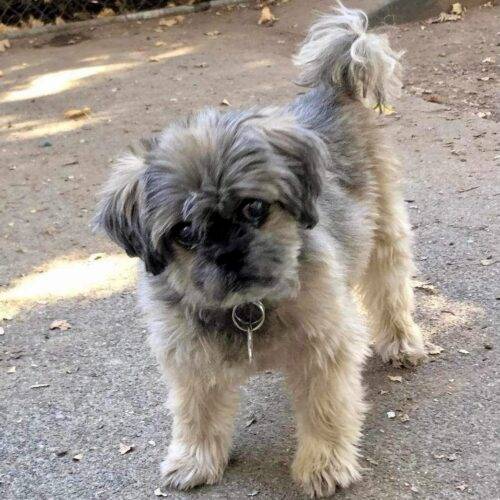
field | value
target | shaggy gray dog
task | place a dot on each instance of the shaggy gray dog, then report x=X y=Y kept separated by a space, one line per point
x=283 y=211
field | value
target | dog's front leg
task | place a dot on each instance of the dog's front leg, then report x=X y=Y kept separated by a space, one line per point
x=203 y=410
x=328 y=399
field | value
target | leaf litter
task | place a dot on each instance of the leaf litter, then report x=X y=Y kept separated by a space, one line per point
x=60 y=324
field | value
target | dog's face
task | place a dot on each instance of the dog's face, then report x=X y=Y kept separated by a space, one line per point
x=217 y=205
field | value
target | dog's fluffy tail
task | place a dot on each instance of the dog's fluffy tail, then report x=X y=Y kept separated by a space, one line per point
x=338 y=51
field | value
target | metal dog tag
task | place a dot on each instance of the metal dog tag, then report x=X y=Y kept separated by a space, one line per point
x=249 y=318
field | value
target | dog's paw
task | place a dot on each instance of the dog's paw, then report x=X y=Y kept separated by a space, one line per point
x=184 y=472
x=402 y=348
x=319 y=472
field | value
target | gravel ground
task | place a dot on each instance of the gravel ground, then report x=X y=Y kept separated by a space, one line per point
x=70 y=397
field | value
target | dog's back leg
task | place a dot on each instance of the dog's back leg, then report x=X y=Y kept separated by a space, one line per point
x=386 y=286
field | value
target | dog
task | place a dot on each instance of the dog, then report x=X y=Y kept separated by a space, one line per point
x=257 y=230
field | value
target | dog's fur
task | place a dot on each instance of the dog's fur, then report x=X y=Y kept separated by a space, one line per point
x=337 y=223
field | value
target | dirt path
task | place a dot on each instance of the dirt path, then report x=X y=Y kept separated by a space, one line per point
x=83 y=391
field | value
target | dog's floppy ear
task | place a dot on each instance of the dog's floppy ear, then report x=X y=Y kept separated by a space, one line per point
x=120 y=213
x=306 y=156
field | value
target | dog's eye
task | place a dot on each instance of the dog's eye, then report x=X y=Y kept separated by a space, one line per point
x=255 y=211
x=186 y=236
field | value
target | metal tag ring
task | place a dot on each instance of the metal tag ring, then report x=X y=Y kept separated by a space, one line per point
x=243 y=325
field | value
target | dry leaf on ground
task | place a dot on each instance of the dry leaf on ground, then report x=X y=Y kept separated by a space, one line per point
x=4 y=45
x=433 y=349
x=395 y=378
x=444 y=17
x=125 y=448
x=107 y=12
x=267 y=18
x=74 y=114
x=60 y=324
x=457 y=9
x=171 y=21
x=427 y=288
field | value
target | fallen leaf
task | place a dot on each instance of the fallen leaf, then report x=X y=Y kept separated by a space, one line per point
x=267 y=18
x=60 y=324
x=488 y=261
x=225 y=102
x=391 y=414
x=371 y=461
x=457 y=9
x=444 y=17
x=125 y=448
x=463 y=351
x=250 y=421
x=74 y=114
x=160 y=493
x=405 y=417
x=107 y=12
x=395 y=378
x=171 y=21
x=212 y=33
x=433 y=349
x=39 y=386
x=4 y=45
x=77 y=457
x=428 y=288
x=12 y=369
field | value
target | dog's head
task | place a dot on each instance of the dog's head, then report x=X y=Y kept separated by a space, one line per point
x=217 y=203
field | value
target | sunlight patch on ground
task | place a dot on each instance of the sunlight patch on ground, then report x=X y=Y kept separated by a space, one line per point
x=59 y=81
x=67 y=279
x=442 y=313
x=259 y=64
x=169 y=54
x=34 y=129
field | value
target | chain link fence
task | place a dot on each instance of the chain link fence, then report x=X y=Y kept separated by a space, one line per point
x=28 y=14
